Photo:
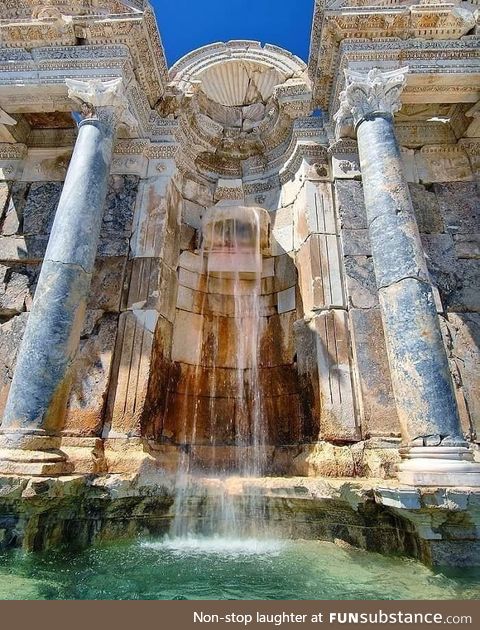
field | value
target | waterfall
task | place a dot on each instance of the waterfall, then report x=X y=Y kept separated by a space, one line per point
x=209 y=499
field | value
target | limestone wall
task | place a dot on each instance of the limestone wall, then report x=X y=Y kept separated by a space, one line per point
x=142 y=354
x=447 y=215
x=322 y=334
x=131 y=301
x=27 y=215
x=204 y=337
x=324 y=370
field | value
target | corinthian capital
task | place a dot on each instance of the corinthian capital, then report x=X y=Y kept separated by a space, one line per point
x=94 y=94
x=366 y=94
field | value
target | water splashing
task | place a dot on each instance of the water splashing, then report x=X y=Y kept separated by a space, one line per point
x=207 y=502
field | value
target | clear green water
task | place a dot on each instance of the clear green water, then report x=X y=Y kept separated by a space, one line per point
x=226 y=569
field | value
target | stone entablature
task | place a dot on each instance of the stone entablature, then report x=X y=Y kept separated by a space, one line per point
x=89 y=23
x=451 y=67
x=403 y=30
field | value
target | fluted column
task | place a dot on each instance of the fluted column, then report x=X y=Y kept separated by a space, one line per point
x=434 y=450
x=38 y=396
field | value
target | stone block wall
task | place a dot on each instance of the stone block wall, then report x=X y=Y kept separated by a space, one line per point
x=448 y=219
x=324 y=368
x=377 y=411
x=26 y=219
x=322 y=333
x=137 y=396
x=203 y=381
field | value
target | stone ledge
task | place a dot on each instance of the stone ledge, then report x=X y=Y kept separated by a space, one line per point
x=438 y=526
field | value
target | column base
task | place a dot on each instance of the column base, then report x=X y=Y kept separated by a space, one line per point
x=35 y=455
x=438 y=466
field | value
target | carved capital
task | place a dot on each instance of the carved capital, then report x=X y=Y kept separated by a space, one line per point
x=376 y=92
x=95 y=94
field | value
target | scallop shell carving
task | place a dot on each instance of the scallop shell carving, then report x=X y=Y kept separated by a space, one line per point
x=236 y=83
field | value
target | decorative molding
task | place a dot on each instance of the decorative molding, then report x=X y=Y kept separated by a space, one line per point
x=131 y=147
x=12 y=151
x=343 y=146
x=99 y=24
x=367 y=94
x=161 y=151
x=377 y=32
x=96 y=94
x=314 y=153
x=229 y=189
x=261 y=186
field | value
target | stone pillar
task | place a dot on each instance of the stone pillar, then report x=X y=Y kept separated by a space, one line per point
x=434 y=449
x=40 y=387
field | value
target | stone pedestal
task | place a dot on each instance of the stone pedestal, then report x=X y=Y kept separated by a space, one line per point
x=40 y=388
x=434 y=451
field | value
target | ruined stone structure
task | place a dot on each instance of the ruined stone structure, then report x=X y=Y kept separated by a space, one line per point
x=363 y=169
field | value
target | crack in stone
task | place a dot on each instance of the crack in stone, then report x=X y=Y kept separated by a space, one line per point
x=408 y=277
x=67 y=264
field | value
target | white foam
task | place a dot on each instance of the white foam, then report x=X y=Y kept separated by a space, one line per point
x=217 y=545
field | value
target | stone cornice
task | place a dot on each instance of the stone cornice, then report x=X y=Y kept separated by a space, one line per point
x=45 y=10
x=338 y=23
x=36 y=79
x=128 y=26
x=443 y=61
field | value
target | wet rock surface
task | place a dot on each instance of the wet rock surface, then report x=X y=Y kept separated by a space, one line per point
x=436 y=526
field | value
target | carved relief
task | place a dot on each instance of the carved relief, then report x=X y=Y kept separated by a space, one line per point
x=365 y=94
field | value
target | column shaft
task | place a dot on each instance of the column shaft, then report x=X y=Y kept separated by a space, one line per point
x=40 y=386
x=419 y=366
x=434 y=452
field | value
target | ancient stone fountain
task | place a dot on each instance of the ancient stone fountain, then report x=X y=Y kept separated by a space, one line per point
x=202 y=280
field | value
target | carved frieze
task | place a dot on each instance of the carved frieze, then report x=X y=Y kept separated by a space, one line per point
x=229 y=189
x=429 y=38
x=11 y=160
x=132 y=22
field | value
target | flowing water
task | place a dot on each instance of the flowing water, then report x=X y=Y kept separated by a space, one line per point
x=231 y=251
x=226 y=568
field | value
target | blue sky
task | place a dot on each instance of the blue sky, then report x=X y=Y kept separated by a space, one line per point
x=188 y=24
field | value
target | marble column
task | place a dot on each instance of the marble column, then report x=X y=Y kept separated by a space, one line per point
x=434 y=450
x=40 y=388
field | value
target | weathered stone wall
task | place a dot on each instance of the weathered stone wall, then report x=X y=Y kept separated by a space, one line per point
x=324 y=363
x=448 y=219
x=26 y=219
x=203 y=381
x=323 y=338
x=142 y=353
